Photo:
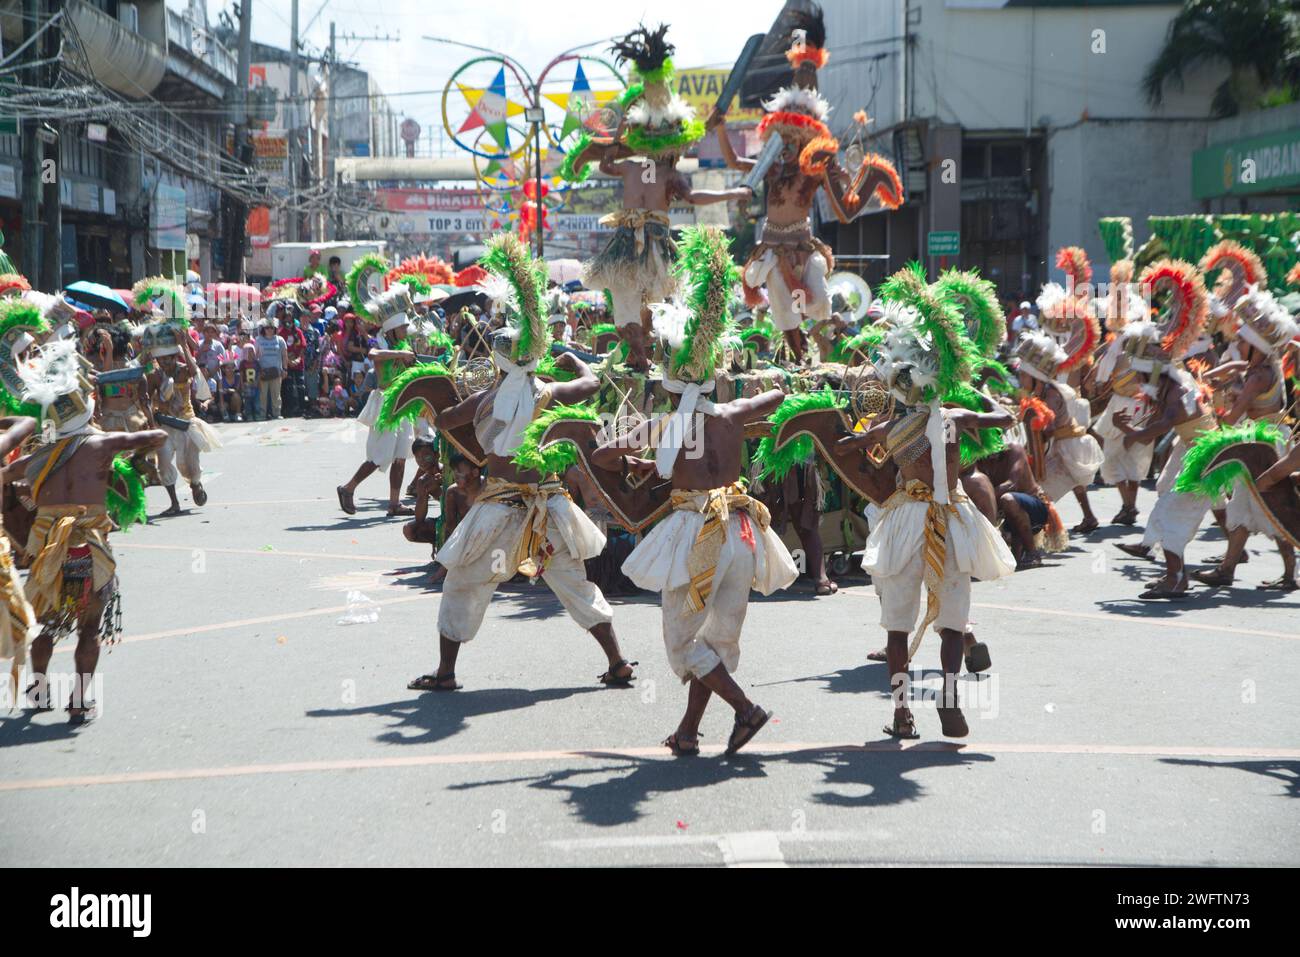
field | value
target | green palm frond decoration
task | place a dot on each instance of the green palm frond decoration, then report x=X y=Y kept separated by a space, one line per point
x=776 y=463
x=705 y=268
x=1117 y=237
x=131 y=508
x=1193 y=478
x=508 y=258
x=390 y=416
x=370 y=262
x=558 y=456
x=977 y=300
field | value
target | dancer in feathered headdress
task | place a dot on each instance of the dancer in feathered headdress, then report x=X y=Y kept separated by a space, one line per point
x=386 y=448
x=657 y=127
x=929 y=533
x=177 y=380
x=788 y=258
x=1070 y=455
x=1263 y=332
x=522 y=521
x=1145 y=359
x=72 y=584
x=717 y=542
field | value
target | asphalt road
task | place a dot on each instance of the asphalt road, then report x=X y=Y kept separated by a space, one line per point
x=244 y=724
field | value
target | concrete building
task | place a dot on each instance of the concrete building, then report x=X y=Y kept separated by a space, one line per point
x=137 y=179
x=1018 y=124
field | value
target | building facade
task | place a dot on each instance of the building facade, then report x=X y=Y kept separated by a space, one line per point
x=1017 y=125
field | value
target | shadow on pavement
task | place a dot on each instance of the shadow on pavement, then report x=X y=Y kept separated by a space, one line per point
x=1287 y=772
x=19 y=728
x=436 y=716
x=616 y=793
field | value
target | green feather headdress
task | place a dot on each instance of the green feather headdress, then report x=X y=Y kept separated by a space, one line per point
x=130 y=508
x=706 y=270
x=175 y=308
x=390 y=416
x=558 y=456
x=937 y=329
x=977 y=300
x=360 y=271
x=509 y=259
x=419 y=285
x=764 y=329
x=1193 y=478
x=17 y=315
x=776 y=463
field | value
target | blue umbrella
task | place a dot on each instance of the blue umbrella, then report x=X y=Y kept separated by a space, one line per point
x=97 y=296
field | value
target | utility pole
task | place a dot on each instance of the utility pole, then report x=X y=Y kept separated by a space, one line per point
x=331 y=149
x=237 y=211
x=51 y=274
x=33 y=152
x=291 y=114
x=336 y=220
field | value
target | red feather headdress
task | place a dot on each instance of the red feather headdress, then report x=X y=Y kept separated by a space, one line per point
x=1073 y=261
x=1243 y=267
x=1185 y=312
x=432 y=269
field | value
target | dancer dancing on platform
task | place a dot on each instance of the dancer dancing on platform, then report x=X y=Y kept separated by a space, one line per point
x=656 y=129
x=788 y=258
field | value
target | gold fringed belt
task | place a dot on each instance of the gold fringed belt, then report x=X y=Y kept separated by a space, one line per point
x=57 y=529
x=530 y=553
x=716 y=505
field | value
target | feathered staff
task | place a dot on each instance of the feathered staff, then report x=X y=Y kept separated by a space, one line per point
x=509 y=259
x=705 y=268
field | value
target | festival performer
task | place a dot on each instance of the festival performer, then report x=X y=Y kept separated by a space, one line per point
x=716 y=544
x=385 y=450
x=929 y=533
x=1265 y=330
x=521 y=514
x=1124 y=464
x=788 y=258
x=177 y=380
x=122 y=406
x=1149 y=353
x=656 y=128
x=17 y=620
x=72 y=584
x=1071 y=456
x=1068 y=316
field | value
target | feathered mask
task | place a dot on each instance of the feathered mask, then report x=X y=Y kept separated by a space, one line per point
x=520 y=291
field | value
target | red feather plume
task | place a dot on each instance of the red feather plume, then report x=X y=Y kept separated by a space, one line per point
x=470 y=276
x=1186 y=312
x=1073 y=261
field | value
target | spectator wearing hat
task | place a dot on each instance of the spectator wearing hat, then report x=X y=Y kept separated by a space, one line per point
x=1022 y=322
x=272 y=362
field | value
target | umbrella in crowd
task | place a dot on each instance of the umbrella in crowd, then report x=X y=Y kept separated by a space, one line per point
x=93 y=295
x=564 y=271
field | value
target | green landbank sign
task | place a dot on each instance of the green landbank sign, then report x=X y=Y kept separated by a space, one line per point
x=1260 y=164
x=943 y=243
